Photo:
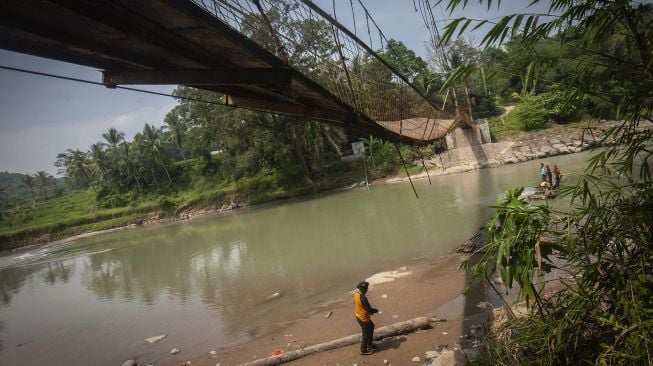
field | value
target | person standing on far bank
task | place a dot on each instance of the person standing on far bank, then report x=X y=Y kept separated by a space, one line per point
x=363 y=312
x=557 y=176
x=549 y=176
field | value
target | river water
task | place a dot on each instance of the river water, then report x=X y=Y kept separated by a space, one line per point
x=206 y=283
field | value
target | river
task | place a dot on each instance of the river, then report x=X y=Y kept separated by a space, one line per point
x=206 y=283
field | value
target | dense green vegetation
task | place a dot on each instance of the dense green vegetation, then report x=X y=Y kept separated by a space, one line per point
x=17 y=187
x=601 y=311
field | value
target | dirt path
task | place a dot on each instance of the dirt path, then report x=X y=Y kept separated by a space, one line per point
x=432 y=288
x=506 y=110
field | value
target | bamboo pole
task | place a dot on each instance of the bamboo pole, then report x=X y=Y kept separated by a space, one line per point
x=383 y=332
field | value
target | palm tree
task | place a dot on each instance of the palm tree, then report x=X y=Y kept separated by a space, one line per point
x=43 y=180
x=75 y=165
x=28 y=181
x=177 y=130
x=113 y=137
x=151 y=144
x=125 y=149
x=99 y=158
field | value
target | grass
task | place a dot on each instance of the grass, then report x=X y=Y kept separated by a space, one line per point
x=67 y=210
x=70 y=214
x=504 y=127
x=76 y=212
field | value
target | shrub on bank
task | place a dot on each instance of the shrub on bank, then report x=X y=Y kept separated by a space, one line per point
x=541 y=111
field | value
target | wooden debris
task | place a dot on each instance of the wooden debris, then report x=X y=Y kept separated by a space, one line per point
x=383 y=332
x=155 y=338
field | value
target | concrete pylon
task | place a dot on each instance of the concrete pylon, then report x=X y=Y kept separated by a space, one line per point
x=468 y=136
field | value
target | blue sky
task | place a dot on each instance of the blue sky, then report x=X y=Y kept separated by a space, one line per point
x=41 y=117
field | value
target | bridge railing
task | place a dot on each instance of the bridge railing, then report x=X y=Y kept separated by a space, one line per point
x=312 y=41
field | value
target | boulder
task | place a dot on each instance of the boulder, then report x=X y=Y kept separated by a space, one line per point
x=174 y=351
x=564 y=150
x=455 y=357
x=431 y=355
x=130 y=363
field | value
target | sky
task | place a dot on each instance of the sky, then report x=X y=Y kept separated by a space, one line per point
x=41 y=117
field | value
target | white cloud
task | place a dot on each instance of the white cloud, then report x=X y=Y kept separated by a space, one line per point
x=28 y=150
x=133 y=121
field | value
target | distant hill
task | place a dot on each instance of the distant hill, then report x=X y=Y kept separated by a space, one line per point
x=13 y=189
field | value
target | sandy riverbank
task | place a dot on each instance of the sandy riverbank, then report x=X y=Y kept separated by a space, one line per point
x=430 y=288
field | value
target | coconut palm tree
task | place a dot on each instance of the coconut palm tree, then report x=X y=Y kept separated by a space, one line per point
x=151 y=145
x=126 y=149
x=75 y=165
x=28 y=181
x=99 y=159
x=113 y=137
x=177 y=130
x=43 y=180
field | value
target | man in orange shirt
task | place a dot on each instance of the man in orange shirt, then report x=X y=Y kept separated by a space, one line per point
x=363 y=312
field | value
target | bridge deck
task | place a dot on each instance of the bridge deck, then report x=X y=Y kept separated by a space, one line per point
x=177 y=42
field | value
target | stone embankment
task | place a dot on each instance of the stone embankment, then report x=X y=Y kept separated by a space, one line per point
x=557 y=141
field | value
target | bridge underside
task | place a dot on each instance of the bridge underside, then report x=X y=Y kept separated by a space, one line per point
x=176 y=42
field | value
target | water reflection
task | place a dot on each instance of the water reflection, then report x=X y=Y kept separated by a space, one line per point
x=11 y=281
x=57 y=271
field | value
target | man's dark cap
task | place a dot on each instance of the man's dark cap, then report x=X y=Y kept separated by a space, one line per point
x=362 y=285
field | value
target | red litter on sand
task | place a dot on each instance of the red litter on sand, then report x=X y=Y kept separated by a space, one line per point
x=276 y=352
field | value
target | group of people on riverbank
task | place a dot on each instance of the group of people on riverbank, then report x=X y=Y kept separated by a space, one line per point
x=550 y=179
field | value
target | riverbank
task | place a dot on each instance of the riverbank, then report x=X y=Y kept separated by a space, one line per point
x=430 y=288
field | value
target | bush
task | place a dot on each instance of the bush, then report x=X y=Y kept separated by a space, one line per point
x=561 y=107
x=339 y=167
x=538 y=111
x=528 y=116
x=166 y=204
x=485 y=107
x=439 y=146
x=256 y=184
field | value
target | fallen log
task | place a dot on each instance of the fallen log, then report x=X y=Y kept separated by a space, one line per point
x=383 y=332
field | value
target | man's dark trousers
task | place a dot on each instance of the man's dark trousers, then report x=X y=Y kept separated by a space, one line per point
x=366 y=338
